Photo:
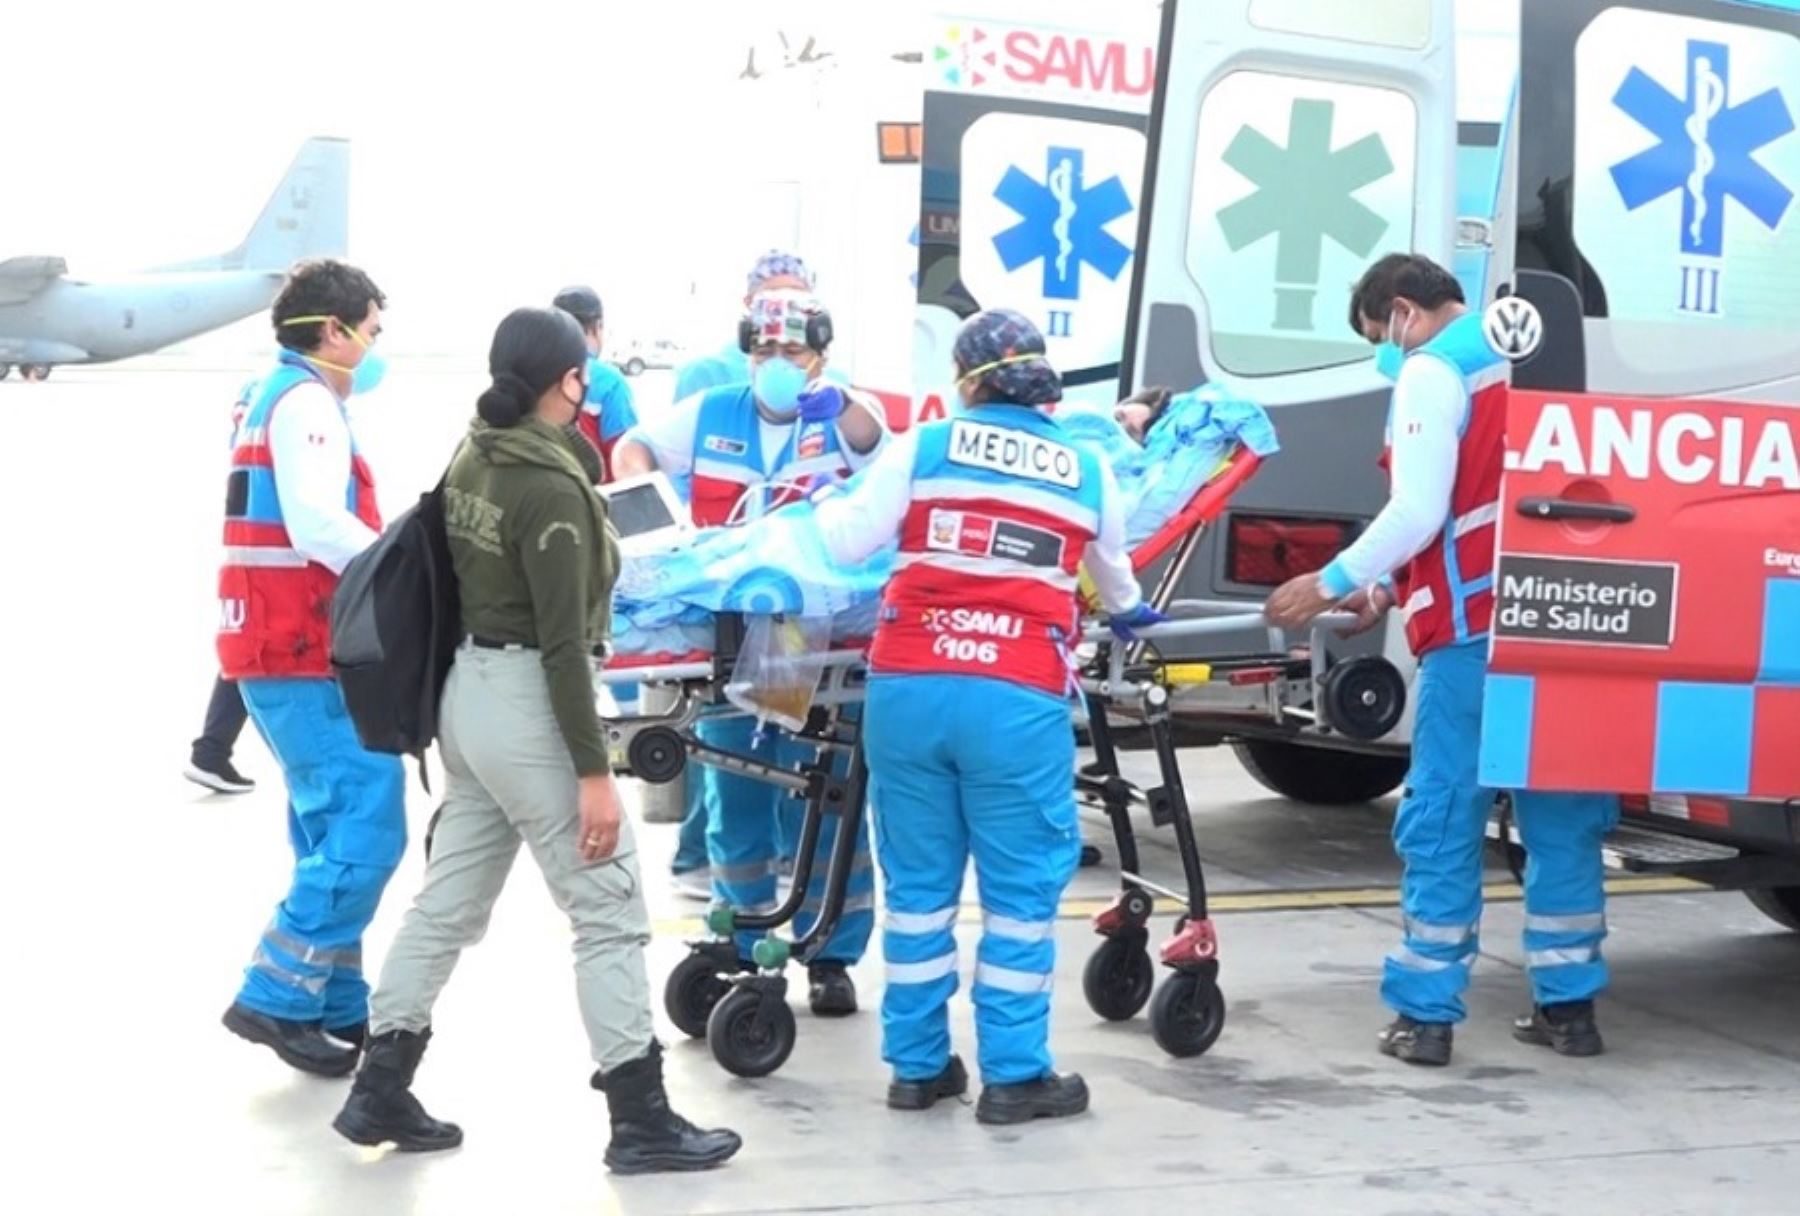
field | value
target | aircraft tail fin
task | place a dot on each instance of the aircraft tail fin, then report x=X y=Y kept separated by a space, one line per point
x=307 y=216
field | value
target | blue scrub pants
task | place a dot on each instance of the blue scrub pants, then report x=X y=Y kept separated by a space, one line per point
x=743 y=834
x=347 y=825
x=690 y=847
x=1440 y=833
x=961 y=766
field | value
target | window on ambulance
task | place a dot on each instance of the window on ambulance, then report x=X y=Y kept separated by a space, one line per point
x=1299 y=183
x=1399 y=23
x=1686 y=177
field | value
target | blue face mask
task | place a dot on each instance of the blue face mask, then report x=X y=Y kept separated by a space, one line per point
x=367 y=374
x=778 y=383
x=1388 y=358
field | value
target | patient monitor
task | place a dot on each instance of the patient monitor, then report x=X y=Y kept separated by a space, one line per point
x=647 y=515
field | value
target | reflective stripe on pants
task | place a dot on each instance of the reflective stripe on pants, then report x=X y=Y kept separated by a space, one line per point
x=967 y=766
x=1565 y=892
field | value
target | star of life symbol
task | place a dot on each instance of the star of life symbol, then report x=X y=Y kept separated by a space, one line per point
x=1305 y=195
x=1705 y=149
x=1062 y=222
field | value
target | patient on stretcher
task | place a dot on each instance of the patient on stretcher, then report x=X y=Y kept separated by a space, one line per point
x=1163 y=448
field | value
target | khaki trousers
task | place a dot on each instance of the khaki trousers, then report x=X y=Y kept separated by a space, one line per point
x=509 y=778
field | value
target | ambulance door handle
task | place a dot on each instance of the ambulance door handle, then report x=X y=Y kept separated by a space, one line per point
x=1566 y=508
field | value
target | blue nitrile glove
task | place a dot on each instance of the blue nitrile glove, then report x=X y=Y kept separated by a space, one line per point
x=822 y=404
x=1125 y=624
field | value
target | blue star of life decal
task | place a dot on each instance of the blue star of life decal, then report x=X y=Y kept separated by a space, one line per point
x=1705 y=148
x=1062 y=222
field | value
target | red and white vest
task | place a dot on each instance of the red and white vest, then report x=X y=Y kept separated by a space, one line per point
x=274 y=604
x=1003 y=507
x=1446 y=592
x=728 y=456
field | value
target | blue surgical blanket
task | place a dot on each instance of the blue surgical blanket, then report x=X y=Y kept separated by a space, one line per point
x=664 y=603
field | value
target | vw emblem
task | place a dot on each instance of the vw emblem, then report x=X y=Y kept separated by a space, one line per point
x=1513 y=328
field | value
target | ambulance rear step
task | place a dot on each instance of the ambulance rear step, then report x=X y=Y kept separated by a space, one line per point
x=1634 y=850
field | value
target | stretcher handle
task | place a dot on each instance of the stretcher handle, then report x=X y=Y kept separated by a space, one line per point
x=1199 y=627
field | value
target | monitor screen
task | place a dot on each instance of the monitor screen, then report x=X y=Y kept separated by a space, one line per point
x=636 y=510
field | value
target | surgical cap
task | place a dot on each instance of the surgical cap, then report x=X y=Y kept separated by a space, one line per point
x=1006 y=353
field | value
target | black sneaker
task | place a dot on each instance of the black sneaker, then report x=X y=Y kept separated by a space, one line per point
x=830 y=991
x=220 y=778
x=1049 y=1097
x=953 y=1082
x=1418 y=1042
x=1567 y=1029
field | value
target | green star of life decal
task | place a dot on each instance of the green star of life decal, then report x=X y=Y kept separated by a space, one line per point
x=1305 y=196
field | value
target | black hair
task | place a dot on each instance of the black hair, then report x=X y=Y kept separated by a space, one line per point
x=1412 y=275
x=582 y=303
x=532 y=350
x=322 y=287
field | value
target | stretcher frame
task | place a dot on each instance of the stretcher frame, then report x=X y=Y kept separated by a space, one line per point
x=745 y=1017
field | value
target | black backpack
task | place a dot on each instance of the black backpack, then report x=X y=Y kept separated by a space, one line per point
x=396 y=620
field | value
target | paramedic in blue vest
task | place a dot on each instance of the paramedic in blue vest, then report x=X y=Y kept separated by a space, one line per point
x=786 y=425
x=609 y=410
x=1445 y=450
x=300 y=505
x=968 y=716
x=774 y=271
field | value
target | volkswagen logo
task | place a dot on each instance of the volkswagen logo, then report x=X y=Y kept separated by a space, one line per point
x=1514 y=328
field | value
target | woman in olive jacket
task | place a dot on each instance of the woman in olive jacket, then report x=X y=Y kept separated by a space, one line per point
x=525 y=758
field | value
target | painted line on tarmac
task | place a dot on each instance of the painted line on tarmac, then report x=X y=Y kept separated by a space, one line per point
x=1277 y=901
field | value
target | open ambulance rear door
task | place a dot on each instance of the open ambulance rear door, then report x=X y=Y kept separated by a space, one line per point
x=1293 y=143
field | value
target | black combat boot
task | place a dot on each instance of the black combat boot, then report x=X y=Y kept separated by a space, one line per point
x=648 y=1137
x=830 y=991
x=1049 y=1097
x=1567 y=1029
x=382 y=1109
x=301 y=1045
x=1418 y=1042
x=953 y=1082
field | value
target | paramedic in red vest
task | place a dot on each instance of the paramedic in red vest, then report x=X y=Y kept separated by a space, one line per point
x=300 y=505
x=785 y=425
x=968 y=716
x=1436 y=536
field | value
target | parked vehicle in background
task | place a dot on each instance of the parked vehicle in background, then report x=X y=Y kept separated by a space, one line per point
x=636 y=358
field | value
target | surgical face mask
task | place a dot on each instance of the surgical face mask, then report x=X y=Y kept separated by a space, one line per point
x=1388 y=358
x=779 y=382
x=369 y=370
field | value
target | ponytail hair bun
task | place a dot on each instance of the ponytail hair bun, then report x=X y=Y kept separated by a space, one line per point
x=506 y=401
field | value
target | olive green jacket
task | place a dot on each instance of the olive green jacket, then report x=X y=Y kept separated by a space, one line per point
x=535 y=563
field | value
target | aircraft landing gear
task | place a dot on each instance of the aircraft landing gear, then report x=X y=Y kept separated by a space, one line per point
x=34 y=372
x=5 y=370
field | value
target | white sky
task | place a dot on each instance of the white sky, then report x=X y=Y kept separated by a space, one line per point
x=498 y=150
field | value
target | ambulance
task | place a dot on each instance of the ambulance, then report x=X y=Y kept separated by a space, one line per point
x=1185 y=197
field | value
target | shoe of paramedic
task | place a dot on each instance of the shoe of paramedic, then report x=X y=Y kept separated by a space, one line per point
x=735 y=440
x=300 y=505
x=969 y=699
x=1436 y=535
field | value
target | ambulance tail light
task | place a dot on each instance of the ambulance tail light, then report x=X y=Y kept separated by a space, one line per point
x=1267 y=550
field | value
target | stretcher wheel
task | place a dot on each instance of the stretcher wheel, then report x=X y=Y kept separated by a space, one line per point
x=1187 y=1014
x=656 y=755
x=1363 y=698
x=751 y=1033
x=1119 y=977
x=691 y=991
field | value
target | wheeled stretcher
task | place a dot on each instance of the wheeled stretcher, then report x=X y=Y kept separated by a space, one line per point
x=744 y=1015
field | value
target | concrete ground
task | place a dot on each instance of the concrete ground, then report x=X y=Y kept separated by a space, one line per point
x=131 y=902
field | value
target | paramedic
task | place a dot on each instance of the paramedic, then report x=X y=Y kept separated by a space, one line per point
x=1436 y=535
x=784 y=426
x=969 y=745
x=526 y=760
x=609 y=410
x=300 y=504
x=773 y=271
